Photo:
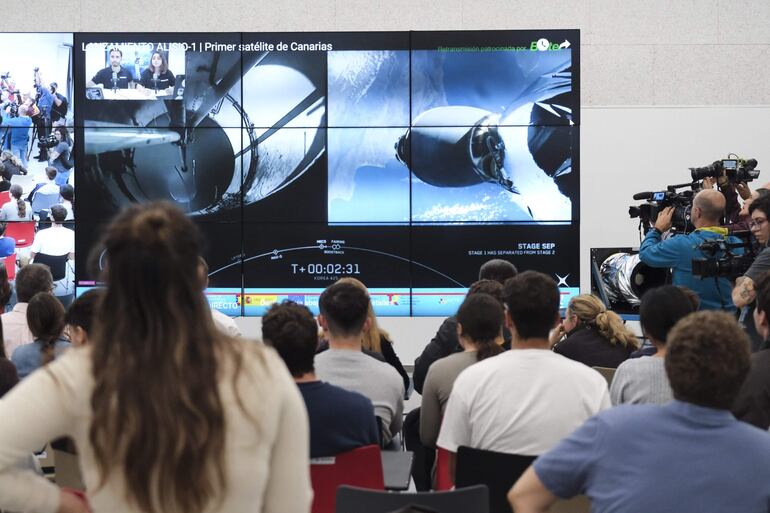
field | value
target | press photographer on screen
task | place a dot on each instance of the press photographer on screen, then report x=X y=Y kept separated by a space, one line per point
x=679 y=251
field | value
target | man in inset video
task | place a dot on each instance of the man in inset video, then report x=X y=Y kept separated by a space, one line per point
x=114 y=76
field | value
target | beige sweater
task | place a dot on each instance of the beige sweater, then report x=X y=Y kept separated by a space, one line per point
x=268 y=470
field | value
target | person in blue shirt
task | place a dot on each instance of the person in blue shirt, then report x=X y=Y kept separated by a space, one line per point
x=19 y=128
x=340 y=420
x=7 y=244
x=688 y=456
x=678 y=252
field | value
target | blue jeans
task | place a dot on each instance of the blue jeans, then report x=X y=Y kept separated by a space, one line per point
x=21 y=152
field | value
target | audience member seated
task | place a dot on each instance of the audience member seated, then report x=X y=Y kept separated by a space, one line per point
x=648 y=349
x=643 y=380
x=690 y=455
x=168 y=414
x=8 y=375
x=339 y=420
x=223 y=322
x=30 y=280
x=753 y=402
x=445 y=341
x=6 y=291
x=67 y=193
x=377 y=340
x=480 y=330
x=48 y=187
x=527 y=399
x=45 y=317
x=7 y=244
x=11 y=165
x=58 y=241
x=345 y=318
x=5 y=183
x=594 y=336
x=8 y=380
x=17 y=209
x=424 y=457
x=79 y=318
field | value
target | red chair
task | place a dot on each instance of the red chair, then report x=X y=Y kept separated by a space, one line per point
x=10 y=266
x=360 y=467
x=22 y=231
x=5 y=197
x=443 y=479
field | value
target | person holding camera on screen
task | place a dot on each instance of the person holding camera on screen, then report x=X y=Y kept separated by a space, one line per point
x=114 y=76
x=45 y=102
x=678 y=252
x=60 y=105
x=157 y=77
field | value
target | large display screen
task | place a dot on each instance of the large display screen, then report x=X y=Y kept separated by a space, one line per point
x=404 y=159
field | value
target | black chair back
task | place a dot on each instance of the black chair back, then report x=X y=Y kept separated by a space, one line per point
x=498 y=471
x=351 y=499
x=57 y=264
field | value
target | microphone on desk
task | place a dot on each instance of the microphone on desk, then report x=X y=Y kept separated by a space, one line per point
x=114 y=81
x=155 y=80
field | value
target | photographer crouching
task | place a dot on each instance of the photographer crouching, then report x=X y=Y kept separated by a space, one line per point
x=744 y=293
x=678 y=253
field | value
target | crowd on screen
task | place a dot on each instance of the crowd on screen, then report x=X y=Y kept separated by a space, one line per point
x=171 y=410
x=37 y=193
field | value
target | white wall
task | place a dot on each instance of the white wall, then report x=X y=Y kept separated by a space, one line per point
x=665 y=85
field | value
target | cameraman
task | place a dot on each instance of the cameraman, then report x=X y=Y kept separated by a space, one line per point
x=60 y=105
x=744 y=292
x=678 y=252
x=45 y=102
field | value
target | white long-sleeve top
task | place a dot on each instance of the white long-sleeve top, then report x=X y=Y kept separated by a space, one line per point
x=267 y=467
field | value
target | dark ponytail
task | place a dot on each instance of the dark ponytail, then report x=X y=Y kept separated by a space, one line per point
x=45 y=317
x=16 y=191
x=481 y=319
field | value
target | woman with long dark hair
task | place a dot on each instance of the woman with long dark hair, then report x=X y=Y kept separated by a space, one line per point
x=168 y=414
x=60 y=156
x=45 y=318
x=480 y=321
x=157 y=76
x=17 y=209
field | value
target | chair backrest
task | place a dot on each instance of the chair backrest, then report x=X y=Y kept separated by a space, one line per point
x=499 y=471
x=10 y=266
x=474 y=499
x=5 y=197
x=360 y=467
x=607 y=372
x=57 y=264
x=443 y=480
x=22 y=231
x=44 y=201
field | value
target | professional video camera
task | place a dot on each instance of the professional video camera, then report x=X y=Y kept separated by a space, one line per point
x=721 y=258
x=737 y=170
x=13 y=109
x=49 y=141
x=657 y=201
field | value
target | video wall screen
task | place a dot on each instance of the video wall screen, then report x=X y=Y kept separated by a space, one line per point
x=404 y=159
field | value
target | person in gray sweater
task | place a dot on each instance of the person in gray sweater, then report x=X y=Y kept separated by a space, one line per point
x=480 y=331
x=643 y=380
x=344 y=318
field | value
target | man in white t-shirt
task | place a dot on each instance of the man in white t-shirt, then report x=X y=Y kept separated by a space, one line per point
x=527 y=399
x=58 y=241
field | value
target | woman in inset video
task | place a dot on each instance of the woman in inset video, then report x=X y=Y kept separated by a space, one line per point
x=157 y=76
